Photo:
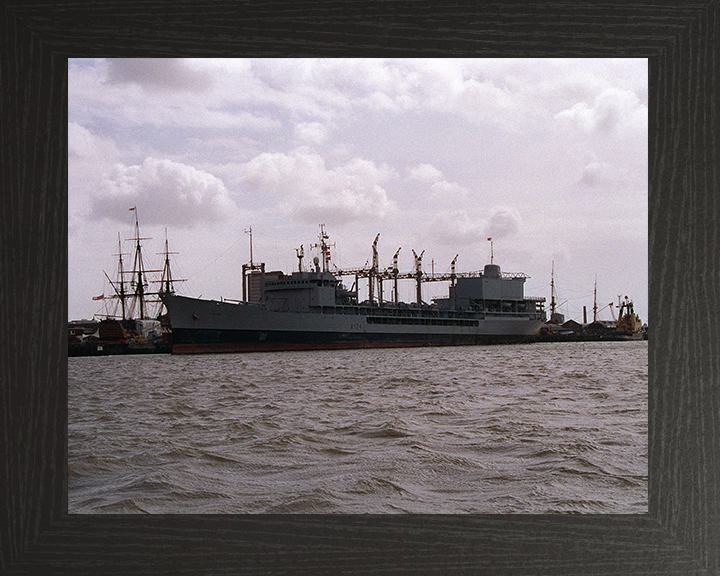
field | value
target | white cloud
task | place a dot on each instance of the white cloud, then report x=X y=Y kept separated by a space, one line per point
x=342 y=206
x=440 y=189
x=613 y=110
x=83 y=144
x=311 y=132
x=164 y=192
x=504 y=221
x=448 y=191
x=307 y=188
x=425 y=173
x=457 y=228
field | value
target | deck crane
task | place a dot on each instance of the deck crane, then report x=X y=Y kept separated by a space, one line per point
x=418 y=276
x=395 y=274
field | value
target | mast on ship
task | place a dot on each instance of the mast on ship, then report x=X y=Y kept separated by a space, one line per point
x=418 y=277
x=137 y=274
x=595 y=308
x=250 y=268
x=118 y=287
x=300 y=255
x=166 y=281
x=395 y=274
x=453 y=279
x=139 y=269
x=324 y=248
x=552 y=292
x=134 y=289
x=374 y=272
x=121 y=292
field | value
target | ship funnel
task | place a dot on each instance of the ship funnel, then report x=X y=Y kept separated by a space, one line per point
x=492 y=271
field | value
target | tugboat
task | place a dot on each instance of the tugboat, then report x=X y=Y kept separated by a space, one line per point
x=628 y=325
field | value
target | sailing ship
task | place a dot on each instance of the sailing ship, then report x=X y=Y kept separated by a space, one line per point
x=133 y=321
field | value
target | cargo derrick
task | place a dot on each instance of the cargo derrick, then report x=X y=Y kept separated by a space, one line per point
x=488 y=292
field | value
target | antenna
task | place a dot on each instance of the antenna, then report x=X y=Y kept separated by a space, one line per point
x=491 y=250
x=300 y=255
x=324 y=247
x=249 y=231
x=552 y=291
x=595 y=308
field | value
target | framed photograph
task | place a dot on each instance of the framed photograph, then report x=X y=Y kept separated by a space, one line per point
x=672 y=531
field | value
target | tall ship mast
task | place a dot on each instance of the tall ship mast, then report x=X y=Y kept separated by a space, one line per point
x=132 y=297
x=313 y=309
x=132 y=322
x=138 y=282
x=167 y=284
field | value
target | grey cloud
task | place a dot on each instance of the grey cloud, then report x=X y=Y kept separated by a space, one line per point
x=457 y=228
x=157 y=74
x=598 y=174
x=504 y=221
x=612 y=110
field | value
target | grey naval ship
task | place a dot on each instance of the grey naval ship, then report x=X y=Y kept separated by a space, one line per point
x=312 y=309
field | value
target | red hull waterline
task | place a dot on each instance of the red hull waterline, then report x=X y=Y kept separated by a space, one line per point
x=284 y=347
x=278 y=347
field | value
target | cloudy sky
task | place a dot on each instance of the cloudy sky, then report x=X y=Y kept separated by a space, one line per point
x=547 y=157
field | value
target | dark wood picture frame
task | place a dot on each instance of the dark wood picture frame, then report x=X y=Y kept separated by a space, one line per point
x=681 y=532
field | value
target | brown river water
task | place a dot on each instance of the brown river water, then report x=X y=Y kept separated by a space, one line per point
x=533 y=428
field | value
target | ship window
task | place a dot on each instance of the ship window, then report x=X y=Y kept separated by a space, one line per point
x=421 y=321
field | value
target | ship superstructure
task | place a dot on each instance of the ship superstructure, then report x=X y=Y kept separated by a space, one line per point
x=313 y=309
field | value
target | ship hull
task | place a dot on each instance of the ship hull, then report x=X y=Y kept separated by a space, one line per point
x=204 y=326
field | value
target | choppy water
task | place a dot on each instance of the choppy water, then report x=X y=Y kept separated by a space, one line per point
x=541 y=428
